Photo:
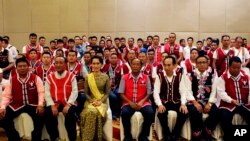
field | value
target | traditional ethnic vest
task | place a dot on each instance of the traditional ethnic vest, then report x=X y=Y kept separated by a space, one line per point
x=189 y=66
x=159 y=68
x=236 y=90
x=169 y=91
x=4 y=60
x=175 y=50
x=42 y=73
x=60 y=89
x=223 y=60
x=38 y=49
x=24 y=93
x=201 y=88
x=141 y=88
x=158 y=51
x=36 y=64
x=210 y=55
x=76 y=70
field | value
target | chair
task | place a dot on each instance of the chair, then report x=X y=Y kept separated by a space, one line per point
x=24 y=126
x=136 y=125
x=186 y=129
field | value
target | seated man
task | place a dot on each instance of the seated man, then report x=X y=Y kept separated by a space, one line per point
x=167 y=97
x=201 y=96
x=135 y=90
x=60 y=95
x=24 y=94
x=233 y=88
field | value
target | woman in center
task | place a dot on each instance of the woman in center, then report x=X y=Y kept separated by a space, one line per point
x=97 y=89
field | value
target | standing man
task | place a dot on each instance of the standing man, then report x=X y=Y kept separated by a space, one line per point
x=32 y=45
x=222 y=55
x=24 y=94
x=60 y=96
x=135 y=90
x=6 y=60
x=173 y=49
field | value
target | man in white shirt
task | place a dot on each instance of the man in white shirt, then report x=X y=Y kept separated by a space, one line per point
x=168 y=95
x=60 y=95
x=242 y=53
x=201 y=88
x=234 y=91
x=187 y=49
x=7 y=45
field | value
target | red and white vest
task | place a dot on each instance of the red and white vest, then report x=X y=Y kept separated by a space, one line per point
x=38 y=49
x=60 y=89
x=222 y=61
x=175 y=50
x=141 y=88
x=158 y=51
x=24 y=93
x=239 y=93
x=42 y=73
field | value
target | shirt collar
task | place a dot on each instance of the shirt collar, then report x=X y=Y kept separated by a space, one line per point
x=205 y=73
x=229 y=75
x=174 y=74
x=131 y=76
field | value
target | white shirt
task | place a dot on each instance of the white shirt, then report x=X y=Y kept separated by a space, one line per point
x=157 y=87
x=24 y=50
x=242 y=53
x=188 y=84
x=186 y=51
x=183 y=65
x=72 y=97
x=13 y=50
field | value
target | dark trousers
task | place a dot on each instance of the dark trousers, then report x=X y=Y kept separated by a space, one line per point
x=115 y=103
x=197 y=121
x=148 y=115
x=80 y=103
x=8 y=123
x=52 y=123
x=227 y=117
x=181 y=118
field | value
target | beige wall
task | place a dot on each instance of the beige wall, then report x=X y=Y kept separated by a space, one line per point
x=128 y=18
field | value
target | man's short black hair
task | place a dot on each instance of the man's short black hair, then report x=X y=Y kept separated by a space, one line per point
x=234 y=59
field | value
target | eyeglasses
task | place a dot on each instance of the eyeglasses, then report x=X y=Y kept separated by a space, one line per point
x=204 y=62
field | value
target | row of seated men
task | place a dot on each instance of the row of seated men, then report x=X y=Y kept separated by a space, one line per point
x=194 y=96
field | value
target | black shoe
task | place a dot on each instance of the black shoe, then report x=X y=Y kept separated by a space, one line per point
x=174 y=137
x=167 y=138
x=127 y=139
x=143 y=138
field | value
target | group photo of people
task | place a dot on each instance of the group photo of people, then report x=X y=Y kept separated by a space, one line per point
x=84 y=76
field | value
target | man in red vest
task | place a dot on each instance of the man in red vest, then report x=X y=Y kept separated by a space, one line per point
x=157 y=47
x=167 y=96
x=174 y=49
x=135 y=90
x=60 y=95
x=233 y=89
x=190 y=63
x=113 y=69
x=32 y=45
x=24 y=94
x=46 y=67
x=222 y=55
